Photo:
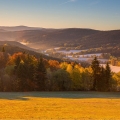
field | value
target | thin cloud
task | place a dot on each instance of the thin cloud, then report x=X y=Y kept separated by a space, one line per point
x=68 y=1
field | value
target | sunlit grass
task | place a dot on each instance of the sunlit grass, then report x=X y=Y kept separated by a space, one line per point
x=60 y=105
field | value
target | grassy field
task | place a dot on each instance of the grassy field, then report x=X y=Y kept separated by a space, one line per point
x=60 y=105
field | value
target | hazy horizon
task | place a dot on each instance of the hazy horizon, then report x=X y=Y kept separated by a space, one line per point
x=58 y=28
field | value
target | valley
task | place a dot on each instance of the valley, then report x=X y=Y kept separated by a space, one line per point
x=71 y=44
x=74 y=55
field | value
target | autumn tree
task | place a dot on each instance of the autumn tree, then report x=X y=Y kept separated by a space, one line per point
x=24 y=65
x=53 y=65
x=60 y=80
x=115 y=82
x=87 y=81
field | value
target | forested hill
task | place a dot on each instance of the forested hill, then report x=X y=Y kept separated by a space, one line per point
x=15 y=44
x=11 y=48
x=109 y=38
x=72 y=37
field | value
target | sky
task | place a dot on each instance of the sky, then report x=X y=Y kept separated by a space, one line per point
x=94 y=14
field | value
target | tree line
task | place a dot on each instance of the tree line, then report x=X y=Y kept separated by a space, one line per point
x=24 y=72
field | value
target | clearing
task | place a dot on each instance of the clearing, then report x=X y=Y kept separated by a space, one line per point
x=60 y=105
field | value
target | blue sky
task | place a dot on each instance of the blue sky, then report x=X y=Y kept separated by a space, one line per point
x=95 y=14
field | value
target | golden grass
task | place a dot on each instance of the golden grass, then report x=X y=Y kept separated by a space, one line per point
x=59 y=106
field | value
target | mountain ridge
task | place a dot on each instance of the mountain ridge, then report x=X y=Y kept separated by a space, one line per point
x=69 y=37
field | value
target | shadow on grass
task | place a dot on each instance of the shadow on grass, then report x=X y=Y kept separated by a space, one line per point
x=68 y=95
x=13 y=96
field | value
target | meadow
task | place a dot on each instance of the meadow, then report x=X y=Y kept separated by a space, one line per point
x=60 y=105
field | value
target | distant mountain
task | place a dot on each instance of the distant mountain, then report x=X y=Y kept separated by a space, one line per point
x=18 y=28
x=102 y=38
x=46 y=37
x=71 y=37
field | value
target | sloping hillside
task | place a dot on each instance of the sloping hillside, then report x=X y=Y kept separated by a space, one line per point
x=14 y=43
x=102 y=38
x=12 y=47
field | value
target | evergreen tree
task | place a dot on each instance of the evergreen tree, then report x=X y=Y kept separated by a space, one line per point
x=40 y=75
x=96 y=72
x=3 y=49
x=3 y=58
x=1 y=84
x=17 y=62
x=24 y=71
x=107 y=77
x=101 y=83
x=21 y=76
